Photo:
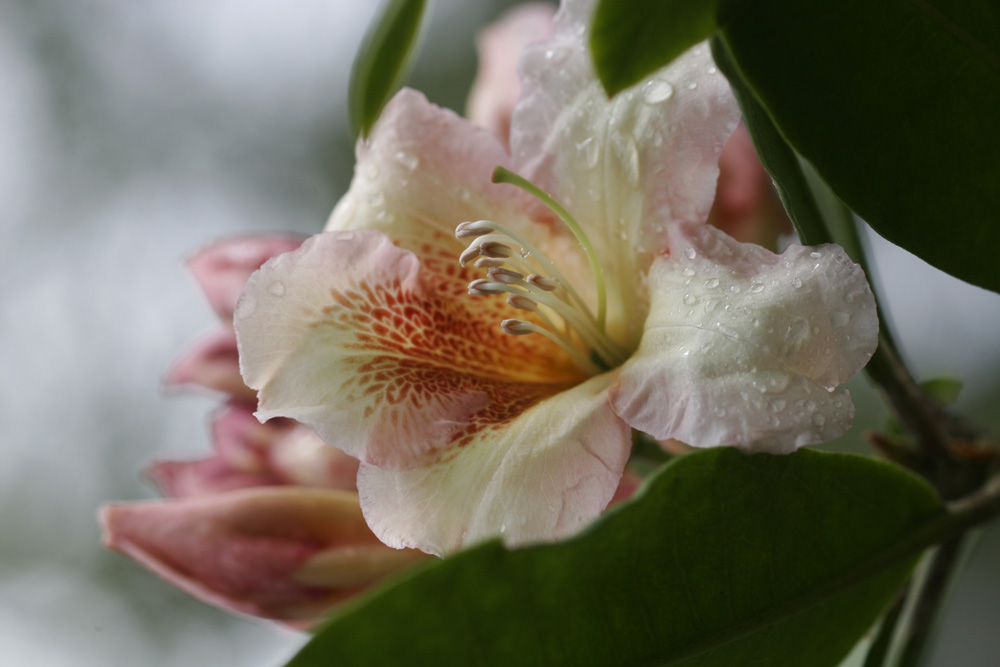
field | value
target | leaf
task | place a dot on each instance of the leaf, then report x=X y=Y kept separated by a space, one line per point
x=630 y=39
x=896 y=103
x=722 y=559
x=381 y=62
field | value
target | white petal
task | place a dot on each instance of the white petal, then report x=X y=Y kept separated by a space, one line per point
x=744 y=347
x=539 y=477
x=625 y=167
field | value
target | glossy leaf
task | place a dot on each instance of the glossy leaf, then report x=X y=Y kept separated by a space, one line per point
x=381 y=63
x=722 y=559
x=656 y=30
x=896 y=103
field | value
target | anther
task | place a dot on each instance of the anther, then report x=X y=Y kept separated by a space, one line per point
x=517 y=327
x=505 y=276
x=489 y=262
x=522 y=302
x=470 y=229
x=494 y=249
x=541 y=282
x=481 y=287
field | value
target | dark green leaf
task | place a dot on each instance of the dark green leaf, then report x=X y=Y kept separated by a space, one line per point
x=722 y=560
x=629 y=39
x=381 y=63
x=896 y=103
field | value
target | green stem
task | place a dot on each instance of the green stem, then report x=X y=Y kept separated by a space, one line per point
x=503 y=175
x=935 y=586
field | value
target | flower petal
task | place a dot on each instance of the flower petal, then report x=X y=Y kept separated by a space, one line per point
x=384 y=360
x=249 y=454
x=204 y=477
x=497 y=87
x=222 y=269
x=539 y=476
x=245 y=550
x=744 y=347
x=213 y=363
x=625 y=167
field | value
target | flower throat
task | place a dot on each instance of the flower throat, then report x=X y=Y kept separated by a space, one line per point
x=532 y=282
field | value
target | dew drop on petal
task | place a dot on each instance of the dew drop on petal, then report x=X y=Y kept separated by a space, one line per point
x=712 y=283
x=689 y=271
x=777 y=405
x=277 y=288
x=409 y=161
x=818 y=419
x=797 y=284
x=657 y=90
x=690 y=299
x=690 y=252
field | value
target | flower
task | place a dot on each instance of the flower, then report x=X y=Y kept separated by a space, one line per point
x=637 y=314
x=270 y=525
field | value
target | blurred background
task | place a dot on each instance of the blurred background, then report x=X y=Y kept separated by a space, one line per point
x=131 y=134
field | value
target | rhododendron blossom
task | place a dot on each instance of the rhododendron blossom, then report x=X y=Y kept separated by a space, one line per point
x=486 y=348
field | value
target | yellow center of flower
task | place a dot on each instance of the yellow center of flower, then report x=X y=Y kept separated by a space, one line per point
x=533 y=283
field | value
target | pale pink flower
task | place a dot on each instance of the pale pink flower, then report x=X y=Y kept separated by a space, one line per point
x=270 y=524
x=284 y=552
x=368 y=333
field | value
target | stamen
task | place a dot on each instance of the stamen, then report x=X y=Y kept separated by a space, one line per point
x=471 y=229
x=502 y=175
x=522 y=303
x=522 y=328
x=505 y=276
x=495 y=249
x=482 y=287
x=541 y=282
x=489 y=262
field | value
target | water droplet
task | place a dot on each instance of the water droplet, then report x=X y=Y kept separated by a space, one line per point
x=710 y=306
x=277 y=288
x=815 y=255
x=818 y=419
x=503 y=527
x=688 y=271
x=756 y=288
x=371 y=171
x=712 y=283
x=720 y=412
x=849 y=298
x=589 y=152
x=690 y=299
x=777 y=405
x=657 y=90
x=712 y=69
x=409 y=161
x=690 y=252
x=692 y=85
x=657 y=139
x=797 y=284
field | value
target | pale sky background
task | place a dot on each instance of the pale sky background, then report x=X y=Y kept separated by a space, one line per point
x=132 y=133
